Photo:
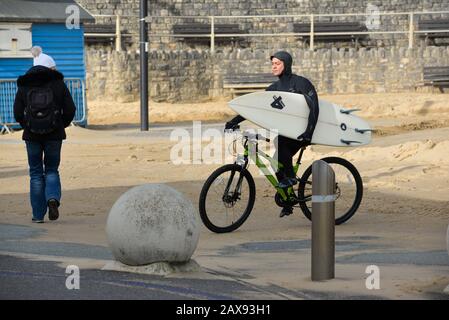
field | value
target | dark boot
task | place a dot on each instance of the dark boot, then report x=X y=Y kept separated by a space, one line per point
x=286 y=211
x=287 y=182
x=53 y=212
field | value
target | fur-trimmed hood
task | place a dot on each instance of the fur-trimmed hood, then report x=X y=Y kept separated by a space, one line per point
x=38 y=76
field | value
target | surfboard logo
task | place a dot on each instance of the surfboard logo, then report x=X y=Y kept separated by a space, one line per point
x=278 y=103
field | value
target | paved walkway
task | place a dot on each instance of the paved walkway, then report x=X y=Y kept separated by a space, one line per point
x=34 y=269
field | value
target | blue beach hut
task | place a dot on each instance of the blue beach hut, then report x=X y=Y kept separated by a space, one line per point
x=56 y=26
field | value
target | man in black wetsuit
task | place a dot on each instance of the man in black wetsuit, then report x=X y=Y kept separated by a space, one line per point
x=281 y=66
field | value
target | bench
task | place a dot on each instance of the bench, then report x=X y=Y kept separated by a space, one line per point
x=202 y=29
x=436 y=76
x=434 y=24
x=103 y=34
x=322 y=27
x=247 y=83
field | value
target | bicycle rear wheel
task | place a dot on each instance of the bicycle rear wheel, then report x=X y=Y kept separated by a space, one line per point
x=348 y=189
x=227 y=198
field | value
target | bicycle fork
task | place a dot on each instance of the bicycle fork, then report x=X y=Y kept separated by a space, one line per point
x=231 y=198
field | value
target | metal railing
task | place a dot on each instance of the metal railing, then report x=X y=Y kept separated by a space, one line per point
x=118 y=29
x=77 y=90
x=8 y=89
x=312 y=20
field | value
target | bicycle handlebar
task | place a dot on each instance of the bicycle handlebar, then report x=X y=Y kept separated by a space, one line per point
x=256 y=136
x=263 y=138
x=249 y=135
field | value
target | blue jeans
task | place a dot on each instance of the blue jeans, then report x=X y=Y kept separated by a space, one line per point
x=43 y=160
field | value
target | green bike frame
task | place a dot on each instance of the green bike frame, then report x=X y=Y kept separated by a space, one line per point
x=251 y=150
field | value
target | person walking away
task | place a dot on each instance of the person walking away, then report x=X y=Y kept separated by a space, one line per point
x=44 y=107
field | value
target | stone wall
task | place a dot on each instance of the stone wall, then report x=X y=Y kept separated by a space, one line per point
x=193 y=75
x=129 y=10
x=344 y=71
x=175 y=76
x=112 y=75
x=182 y=70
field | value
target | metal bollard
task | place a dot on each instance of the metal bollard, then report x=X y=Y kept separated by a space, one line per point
x=323 y=221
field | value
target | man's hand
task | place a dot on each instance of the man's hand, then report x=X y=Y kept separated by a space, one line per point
x=231 y=126
x=305 y=137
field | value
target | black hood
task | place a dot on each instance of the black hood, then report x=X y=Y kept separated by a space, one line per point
x=287 y=59
x=38 y=75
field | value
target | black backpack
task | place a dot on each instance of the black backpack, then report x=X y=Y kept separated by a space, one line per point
x=42 y=115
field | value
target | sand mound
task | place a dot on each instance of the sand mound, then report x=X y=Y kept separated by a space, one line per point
x=393 y=105
x=413 y=151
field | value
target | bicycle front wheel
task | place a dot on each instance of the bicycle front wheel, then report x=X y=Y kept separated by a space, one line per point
x=227 y=198
x=348 y=190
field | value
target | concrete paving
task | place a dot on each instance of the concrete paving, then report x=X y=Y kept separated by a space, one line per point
x=34 y=269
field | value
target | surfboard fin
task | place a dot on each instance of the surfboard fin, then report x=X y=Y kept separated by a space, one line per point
x=348 y=142
x=349 y=111
x=363 y=130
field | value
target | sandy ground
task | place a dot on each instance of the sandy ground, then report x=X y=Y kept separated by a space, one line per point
x=405 y=206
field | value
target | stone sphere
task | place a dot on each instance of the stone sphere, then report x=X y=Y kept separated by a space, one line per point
x=152 y=223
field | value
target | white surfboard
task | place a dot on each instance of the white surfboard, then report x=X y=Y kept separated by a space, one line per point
x=288 y=113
